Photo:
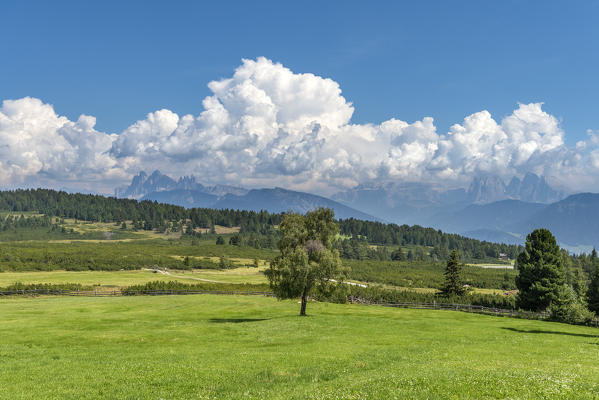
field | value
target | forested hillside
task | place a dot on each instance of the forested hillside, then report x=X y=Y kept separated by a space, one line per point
x=148 y=215
x=422 y=243
x=379 y=233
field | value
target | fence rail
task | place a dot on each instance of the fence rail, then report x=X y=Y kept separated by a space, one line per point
x=421 y=306
x=469 y=308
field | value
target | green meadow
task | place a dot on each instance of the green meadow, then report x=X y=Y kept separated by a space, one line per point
x=204 y=346
x=239 y=347
x=113 y=279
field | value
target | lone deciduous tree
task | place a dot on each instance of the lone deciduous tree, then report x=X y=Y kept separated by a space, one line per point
x=307 y=263
x=541 y=272
x=453 y=280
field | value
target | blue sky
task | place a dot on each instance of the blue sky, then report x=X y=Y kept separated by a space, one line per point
x=119 y=61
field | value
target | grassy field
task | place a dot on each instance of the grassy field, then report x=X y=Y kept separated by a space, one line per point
x=251 y=347
x=86 y=278
x=427 y=274
x=84 y=227
x=115 y=255
x=114 y=279
x=133 y=277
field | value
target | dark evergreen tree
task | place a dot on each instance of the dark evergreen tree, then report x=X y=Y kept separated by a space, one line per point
x=541 y=272
x=398 y=255
x=453 y=281
x=593 y=290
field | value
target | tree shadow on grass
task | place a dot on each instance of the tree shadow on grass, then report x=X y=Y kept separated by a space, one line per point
x=551 y=332
x=235 y=320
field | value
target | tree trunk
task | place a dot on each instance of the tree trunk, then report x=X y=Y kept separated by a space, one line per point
x=304 y=301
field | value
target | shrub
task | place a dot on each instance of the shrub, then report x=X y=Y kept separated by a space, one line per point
x=569 y=307
x=180 y=287
x=44 y=287
x=377 y=294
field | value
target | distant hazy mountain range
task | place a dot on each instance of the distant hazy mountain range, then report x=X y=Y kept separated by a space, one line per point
x=416 y=203
x=488 y=210
x=574 y=221
x=188 y=193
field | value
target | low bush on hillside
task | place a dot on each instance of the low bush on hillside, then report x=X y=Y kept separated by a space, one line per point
x=375 y=294
x=570 y=308
x=44 y=287
x=180 y=287
x=426 y=274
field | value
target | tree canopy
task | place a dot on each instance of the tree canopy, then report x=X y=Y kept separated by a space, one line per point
x=541 y=272
x=307 y=263
x=593 y=290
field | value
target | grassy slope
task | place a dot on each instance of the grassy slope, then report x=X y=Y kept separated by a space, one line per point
x=114 y=255
x=251 y=347
x=102 y=278
x=111 y=279
x=134 y=277
x=426 y=274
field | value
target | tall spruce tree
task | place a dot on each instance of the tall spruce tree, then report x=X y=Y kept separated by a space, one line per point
x=453 y=280
x=541 y=272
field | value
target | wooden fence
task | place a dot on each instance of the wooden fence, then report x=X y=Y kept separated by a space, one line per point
x=471 y=309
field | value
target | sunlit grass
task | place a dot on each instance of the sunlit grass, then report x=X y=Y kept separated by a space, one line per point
x=134 y=277
x=86 y=278
x=174 y=347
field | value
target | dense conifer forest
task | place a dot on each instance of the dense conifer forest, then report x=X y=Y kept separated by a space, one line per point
x=255 y=228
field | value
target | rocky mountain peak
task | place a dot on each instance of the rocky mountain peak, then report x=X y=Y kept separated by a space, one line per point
x=532 y=188
x=142 y=185
x=487 y=189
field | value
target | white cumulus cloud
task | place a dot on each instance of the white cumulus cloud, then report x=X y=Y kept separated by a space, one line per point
x=39 y=146
x=269 y=126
